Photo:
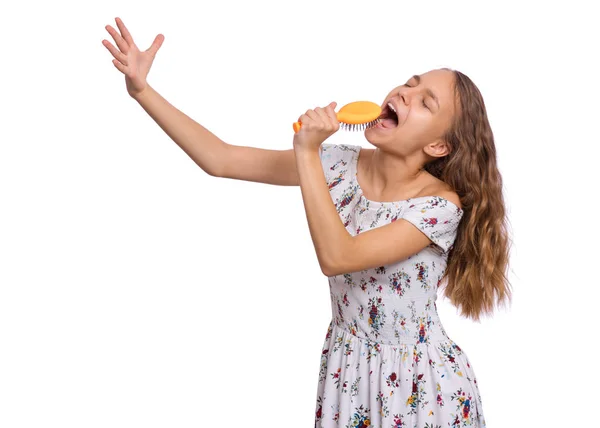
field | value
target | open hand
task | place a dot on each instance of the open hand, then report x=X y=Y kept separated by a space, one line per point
x=134 y=64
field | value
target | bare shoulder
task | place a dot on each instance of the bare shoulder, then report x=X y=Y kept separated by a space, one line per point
x=366 y=152
x=439 y=188
x=452 y=196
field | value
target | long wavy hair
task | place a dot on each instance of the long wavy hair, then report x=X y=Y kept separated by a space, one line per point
x=475 y=272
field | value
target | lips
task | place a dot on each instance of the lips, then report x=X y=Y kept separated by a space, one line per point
x=389 y=117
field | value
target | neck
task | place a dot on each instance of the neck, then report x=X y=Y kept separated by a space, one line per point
x=391 y=175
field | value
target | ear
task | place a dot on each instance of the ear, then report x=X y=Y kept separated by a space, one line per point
x=438 y=149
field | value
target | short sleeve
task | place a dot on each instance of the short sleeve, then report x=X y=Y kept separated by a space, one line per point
x=337 y=162
x=437 y=218
x=328 y=152
x=337 y=157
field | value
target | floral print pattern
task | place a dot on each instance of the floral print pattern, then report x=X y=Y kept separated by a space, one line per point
x=387 y=361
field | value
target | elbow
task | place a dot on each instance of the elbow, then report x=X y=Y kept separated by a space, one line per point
x=215 y=172
x=336 y=262
x=333 y=270
x=330 y=268
x=327 y=271
x=326 y=267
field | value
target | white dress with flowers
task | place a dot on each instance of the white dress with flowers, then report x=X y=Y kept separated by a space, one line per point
x=387 y=361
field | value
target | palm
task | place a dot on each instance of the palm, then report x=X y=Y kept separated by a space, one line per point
x=139 y=64
x=132 y=62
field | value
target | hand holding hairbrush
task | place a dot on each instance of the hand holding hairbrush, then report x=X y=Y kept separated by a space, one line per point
x=355 y=116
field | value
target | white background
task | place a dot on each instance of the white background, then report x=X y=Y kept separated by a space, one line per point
x=138 y=291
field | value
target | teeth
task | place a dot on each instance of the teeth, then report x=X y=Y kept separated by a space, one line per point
x=392 y=107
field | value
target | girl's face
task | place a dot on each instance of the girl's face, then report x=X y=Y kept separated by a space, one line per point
x=415 y=114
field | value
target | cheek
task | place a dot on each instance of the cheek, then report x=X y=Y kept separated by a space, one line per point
x=423 y=124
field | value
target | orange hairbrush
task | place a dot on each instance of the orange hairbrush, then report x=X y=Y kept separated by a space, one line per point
x=356 y=116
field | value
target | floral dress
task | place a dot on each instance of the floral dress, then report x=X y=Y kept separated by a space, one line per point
x=387 y=361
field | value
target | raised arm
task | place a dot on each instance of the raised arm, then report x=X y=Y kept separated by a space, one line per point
x=260 y=165
x=213 y=155
x=205 y=148
x=210 y=153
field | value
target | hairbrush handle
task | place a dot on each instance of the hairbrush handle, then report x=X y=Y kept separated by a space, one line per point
x=298 y=125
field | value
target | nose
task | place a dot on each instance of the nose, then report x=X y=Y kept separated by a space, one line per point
x=405 y=95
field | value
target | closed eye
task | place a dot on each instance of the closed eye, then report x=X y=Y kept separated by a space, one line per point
x=424 y=105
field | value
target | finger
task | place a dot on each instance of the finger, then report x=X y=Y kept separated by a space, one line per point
x=322 y=114
x=310 y=120
x=119 y=66
x=313 y=118
x=156 y=44
x=124 y=32
x=305 y=122
x=303 y=116
x=115 y=52
x=331 y=109
x=325 y=118
x=312 y=114
x=121 y=43
x=332 y=114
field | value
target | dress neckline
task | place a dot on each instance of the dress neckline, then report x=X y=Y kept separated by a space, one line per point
x=363 y=200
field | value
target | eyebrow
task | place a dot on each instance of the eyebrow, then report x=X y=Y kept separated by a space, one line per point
x=427 y=90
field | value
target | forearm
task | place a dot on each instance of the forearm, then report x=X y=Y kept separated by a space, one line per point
x=328 y=233
x=205 y=148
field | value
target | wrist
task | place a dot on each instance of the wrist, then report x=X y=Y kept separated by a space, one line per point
x=140 y=95
x=303 y=150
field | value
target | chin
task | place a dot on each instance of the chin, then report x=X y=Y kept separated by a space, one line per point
x=376 y=137
x=368 y=136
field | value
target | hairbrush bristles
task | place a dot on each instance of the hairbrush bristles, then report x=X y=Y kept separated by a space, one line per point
x=358 y=127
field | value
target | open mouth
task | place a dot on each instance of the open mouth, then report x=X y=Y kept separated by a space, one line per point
x=389 y=117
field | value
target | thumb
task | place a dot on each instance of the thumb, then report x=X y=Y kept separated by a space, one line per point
x=333 y=104
x=156 y=44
